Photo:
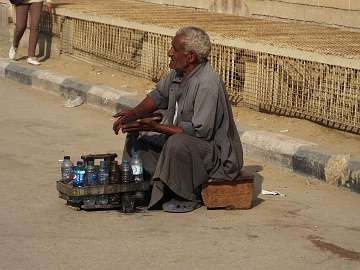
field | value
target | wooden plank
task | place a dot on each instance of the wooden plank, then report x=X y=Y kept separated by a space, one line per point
x=97 y=206
x=71 y=191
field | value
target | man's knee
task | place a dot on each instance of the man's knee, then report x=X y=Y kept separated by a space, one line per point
x=177 y=143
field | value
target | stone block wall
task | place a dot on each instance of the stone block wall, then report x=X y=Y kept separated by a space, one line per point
x=342 y=13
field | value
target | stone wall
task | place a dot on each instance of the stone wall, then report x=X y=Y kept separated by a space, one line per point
x=343 y=13
x=5 y=13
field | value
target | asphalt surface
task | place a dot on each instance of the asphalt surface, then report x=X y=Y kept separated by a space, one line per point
x=316 y=226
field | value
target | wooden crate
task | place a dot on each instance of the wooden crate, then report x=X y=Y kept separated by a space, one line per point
x=71 y=191
x=237 y=194
x=76 y=195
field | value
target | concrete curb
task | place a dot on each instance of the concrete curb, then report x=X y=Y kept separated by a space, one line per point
x=300 y=156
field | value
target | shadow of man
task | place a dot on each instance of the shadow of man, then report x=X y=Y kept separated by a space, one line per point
x=258 y=180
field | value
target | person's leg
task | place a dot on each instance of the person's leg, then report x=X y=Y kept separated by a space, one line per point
x=183 y=166
x=35 y=13
x=20 y=27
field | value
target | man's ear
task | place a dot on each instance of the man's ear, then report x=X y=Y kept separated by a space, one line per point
x=192 y=57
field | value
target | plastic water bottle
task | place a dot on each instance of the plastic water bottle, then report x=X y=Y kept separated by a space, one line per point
x=103 y=177
x=137 y=168
x=91 y=174
x=102 y=199
x=67 y=170
x=126 y=172
x=79 y=174
x=89 y=201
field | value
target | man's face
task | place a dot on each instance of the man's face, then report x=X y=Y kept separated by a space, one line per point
x=179 y=59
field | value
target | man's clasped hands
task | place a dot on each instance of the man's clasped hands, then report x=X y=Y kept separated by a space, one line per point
x=129 y=121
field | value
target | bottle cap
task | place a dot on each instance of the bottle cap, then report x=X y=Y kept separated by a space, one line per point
x=66 y=157
x=79 y=163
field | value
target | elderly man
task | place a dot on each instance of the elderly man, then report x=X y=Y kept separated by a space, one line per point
x=197 y=139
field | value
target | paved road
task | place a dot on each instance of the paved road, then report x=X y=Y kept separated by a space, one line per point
x=316 y=226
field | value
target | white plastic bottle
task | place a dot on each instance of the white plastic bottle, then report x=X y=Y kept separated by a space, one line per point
x=67 y=170
x=137 y=168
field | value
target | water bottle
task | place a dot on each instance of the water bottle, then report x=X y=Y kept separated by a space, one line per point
x=67 y=170
x=103 y=177
x=126 y=172
x=79 y=174
x=137 y=168
x=89 y=201
x=91 y=174
x=102 y=199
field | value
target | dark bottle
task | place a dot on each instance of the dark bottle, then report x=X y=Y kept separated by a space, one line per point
x=114 y=172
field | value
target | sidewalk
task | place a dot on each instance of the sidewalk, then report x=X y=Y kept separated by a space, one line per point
x=304 y=147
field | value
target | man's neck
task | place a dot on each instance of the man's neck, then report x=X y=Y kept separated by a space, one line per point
x=189 y=69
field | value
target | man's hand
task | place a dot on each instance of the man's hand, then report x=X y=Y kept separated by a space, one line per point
x=125 y=116
x=145 y=109
x=145 y=124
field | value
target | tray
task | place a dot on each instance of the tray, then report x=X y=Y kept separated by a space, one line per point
x=71 y=191
x=75 y=195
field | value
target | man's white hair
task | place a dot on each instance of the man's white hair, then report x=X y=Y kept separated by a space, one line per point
x=196 y=40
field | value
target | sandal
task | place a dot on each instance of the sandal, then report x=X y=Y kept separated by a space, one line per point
x=176 y=206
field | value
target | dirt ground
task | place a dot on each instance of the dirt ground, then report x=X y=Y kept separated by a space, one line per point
x=316 y=226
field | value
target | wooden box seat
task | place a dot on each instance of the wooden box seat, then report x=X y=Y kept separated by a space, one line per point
x=236 y=194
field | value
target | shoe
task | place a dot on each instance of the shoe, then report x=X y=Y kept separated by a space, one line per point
x=32 y=61
x=12 y=53
x=177 y=206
